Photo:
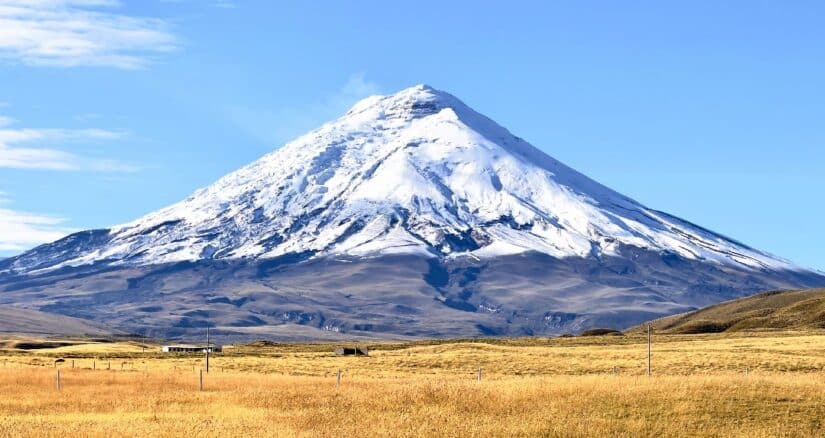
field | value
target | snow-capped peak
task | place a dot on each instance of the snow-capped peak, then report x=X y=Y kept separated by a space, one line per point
x=414 y=172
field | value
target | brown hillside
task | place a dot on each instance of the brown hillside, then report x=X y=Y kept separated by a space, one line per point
x=14 y=320
x=779 y=310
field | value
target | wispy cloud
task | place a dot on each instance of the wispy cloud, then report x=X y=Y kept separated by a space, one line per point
x=357 y=87
x=226 y=4
x=277 y=126
x=21 y=230
x=21 y=149
x=70 y=33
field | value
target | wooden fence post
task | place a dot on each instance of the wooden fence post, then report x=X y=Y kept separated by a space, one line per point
x=201 y=380
x=338 y=380
x=479 y=375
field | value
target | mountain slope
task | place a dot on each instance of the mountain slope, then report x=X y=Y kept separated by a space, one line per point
x=776 y=310
x=417 y=172
x=414 y=191
x=17 y=321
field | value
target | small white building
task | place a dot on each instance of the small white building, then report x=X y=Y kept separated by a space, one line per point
x=191 y=348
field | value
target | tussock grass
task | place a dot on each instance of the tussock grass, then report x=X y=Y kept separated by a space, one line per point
x=537 y=387
x=158 y=403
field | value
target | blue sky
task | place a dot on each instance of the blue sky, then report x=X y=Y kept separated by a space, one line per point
x=709 y=111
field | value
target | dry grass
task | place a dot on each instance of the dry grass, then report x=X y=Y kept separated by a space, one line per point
x=673 y=354
x=562 y=387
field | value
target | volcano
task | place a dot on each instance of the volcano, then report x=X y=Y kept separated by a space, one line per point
x=412 y=215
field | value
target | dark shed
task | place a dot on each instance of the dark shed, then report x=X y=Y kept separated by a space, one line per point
x=352 y=351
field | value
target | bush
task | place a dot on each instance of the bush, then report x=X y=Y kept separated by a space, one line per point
x=702 y=326
x=601 y=332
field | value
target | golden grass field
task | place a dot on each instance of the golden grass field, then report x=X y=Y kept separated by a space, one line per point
x=745 y=384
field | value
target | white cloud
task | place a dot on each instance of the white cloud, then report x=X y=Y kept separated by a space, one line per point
x=17 y=152
x=277 y=126
x=20 y=230
x=70 y=33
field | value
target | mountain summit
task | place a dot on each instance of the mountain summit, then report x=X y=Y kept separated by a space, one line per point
x=419 y=178
x=417 y=172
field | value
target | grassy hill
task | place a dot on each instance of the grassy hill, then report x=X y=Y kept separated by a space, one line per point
x=785 y=310
x=14 y=320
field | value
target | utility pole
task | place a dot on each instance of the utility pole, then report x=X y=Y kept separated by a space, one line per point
x=649 y=329
x=207 y=348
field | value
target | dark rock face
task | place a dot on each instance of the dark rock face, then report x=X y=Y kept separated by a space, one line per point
x=54 y=253
x=296 y=298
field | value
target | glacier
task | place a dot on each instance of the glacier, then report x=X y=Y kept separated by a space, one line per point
x=417 y=172
x=416 y=176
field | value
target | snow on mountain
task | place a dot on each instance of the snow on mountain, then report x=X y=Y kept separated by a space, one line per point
x=413 y=216
x=417 y=172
